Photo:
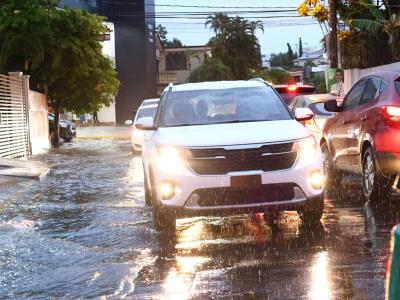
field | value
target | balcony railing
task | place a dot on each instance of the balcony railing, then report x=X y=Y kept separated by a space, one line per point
x=167 y=77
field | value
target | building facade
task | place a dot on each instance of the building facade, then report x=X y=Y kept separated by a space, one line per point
x=135 y=50
x=175 y=65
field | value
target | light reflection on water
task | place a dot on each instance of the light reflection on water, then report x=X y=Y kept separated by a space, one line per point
x=86 y=232
x=320 y=281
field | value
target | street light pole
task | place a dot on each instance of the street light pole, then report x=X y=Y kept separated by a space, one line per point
x=333 y=42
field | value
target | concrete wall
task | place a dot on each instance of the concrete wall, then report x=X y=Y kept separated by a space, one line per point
x=107 y=114
x=38 y=123
x=351 y=76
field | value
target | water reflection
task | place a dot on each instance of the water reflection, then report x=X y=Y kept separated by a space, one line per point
x=320 y=282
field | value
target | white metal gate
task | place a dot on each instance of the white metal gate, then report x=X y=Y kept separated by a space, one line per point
x=13 y=117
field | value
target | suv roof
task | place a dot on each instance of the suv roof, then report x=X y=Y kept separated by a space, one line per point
x=215 y=85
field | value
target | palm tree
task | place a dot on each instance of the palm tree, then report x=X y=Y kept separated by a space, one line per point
x=235 y=44
x=254 y=25
x=218 y=22
x=390 y=26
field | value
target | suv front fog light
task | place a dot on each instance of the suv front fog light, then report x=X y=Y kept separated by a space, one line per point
x=316 y=179
x=167 y=190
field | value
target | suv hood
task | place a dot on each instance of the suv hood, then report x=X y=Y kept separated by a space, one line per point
x=231 y=134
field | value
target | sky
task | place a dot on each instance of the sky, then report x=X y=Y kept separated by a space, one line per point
x=277 y=31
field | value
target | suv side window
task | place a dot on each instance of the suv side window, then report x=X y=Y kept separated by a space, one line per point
x=384 y=85
x=300 y=103
x=353 y=97
x=371 y=90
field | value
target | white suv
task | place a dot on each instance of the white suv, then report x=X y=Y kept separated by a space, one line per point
x=229 y=147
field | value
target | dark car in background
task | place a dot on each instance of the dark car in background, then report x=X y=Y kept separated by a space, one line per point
x=66 y=128
x=290 y=91
x=363 y=136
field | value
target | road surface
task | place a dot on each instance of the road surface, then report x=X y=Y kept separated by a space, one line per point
x=84 y=231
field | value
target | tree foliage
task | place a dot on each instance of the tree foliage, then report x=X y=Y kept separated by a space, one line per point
x=275 y=76
x=60 y=50
x=283 y=59
x=370 y=23
x=235 y=44
x=212 y=70
x=300 y=47
x=165 y=42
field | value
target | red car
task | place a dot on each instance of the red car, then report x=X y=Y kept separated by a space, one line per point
x=364 y=135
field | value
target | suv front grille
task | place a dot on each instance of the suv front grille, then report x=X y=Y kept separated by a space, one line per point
x=219 y=161
x=227 y=196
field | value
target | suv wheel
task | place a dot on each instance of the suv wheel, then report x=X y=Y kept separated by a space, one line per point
x=163 y=219
x=376 y=186
x=333 y=177
x=312 y=215
x=147 y=192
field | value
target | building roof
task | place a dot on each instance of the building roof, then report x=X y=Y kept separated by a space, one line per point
x=215 y=85
x=317 y=54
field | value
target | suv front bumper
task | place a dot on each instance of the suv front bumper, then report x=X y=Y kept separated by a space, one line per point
x=311 y=203
x=187 y=183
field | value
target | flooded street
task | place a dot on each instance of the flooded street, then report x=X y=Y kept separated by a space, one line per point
x=84 y=231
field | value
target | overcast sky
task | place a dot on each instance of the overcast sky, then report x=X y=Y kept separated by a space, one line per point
x=278 y=31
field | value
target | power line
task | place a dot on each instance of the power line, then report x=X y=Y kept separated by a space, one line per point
x=198 y=6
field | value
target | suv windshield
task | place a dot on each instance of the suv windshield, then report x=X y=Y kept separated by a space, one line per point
x=202 y=107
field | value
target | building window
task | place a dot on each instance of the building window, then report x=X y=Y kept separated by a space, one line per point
x=176 y=61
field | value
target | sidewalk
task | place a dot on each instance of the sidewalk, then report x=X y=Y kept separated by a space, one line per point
x=104 y=132
x=22 y=168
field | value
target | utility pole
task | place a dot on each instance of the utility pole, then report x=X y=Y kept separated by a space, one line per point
x=333 y=41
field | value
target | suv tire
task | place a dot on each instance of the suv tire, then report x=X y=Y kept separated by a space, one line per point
x=147 y=193
x=311 y=215
x=163 y=219
x=333 y=178
x=376 y=186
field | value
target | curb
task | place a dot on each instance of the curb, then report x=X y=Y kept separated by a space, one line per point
x=122 y=138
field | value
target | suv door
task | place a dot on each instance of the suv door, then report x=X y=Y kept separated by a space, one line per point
x=338 y=129
x=359 y=117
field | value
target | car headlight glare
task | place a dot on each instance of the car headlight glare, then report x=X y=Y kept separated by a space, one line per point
x=316 y=179
x=170 y=158
x=307 y=148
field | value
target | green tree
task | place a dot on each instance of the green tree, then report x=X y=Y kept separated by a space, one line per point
x=68 y=63
x=212 y=70
x=300 y=47
x=275 y=76
x=235 y=44
x=162 y=33
x=218 y=23
x=175 y=43
x=290 y=52
x=165 y=42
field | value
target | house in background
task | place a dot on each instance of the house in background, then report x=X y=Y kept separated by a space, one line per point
x=175 y=65
x=317 y=57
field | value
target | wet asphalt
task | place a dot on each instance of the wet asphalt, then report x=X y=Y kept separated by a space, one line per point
x=85 y=232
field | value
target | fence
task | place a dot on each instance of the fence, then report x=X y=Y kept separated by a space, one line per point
x=13 y=116
x=351 y=76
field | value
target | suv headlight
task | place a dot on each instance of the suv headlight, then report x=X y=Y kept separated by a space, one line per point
x=306 y=148
x=171 y=158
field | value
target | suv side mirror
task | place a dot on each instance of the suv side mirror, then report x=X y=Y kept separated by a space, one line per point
x=331 y=106
x=303 y=114
x=146 y=123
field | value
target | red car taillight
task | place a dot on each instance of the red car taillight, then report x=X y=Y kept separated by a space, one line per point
x=391 y=115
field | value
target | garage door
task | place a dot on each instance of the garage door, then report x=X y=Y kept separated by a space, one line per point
x=13 y=117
